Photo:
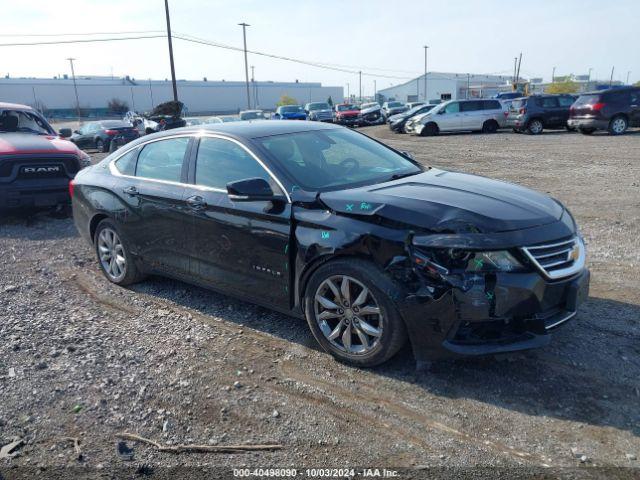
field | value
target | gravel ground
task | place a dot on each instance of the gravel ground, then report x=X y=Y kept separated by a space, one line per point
x=82 y=358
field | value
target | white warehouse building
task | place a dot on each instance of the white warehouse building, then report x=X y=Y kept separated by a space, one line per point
x=446 y=86
x=56 y=96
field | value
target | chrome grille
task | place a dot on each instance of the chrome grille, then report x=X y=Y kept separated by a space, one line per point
x=558 y=259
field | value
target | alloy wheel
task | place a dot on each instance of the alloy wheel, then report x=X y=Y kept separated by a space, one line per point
x=535 y=127
x=619 y=125
x=111 y=254
x=348 y=315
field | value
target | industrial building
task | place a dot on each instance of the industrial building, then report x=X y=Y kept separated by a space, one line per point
x=446 y=86
x=56 y=96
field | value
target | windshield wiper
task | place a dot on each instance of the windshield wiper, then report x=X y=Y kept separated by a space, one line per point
x=396 y=176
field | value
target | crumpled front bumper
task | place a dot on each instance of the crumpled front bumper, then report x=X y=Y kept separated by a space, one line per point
x=492 y=313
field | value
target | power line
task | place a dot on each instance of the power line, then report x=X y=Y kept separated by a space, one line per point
x=87 y=40
x=128 y=32
x=281 y=57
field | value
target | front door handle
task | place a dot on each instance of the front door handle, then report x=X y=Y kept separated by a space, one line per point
x=131 y=190
x=196 y=202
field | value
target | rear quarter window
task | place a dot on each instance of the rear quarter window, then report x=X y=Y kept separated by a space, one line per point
x=587 y=99
x=126 y=164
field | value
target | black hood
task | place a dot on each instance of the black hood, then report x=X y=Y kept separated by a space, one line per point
x=449 y=202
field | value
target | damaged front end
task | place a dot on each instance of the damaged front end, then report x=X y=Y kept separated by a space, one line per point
x=471 y=301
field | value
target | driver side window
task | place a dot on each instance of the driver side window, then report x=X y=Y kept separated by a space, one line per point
x=452 y=108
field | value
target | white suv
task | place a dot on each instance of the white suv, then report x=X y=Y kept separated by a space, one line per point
x=484 y=115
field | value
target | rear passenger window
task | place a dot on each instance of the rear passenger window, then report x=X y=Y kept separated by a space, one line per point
x=548 y=102
x=492 y=105
x=126 y=164
x=566 y=101
x=470 y=106
x=162 y=160
x=221 y=161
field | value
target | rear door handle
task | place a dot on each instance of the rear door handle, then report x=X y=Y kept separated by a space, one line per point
x=196 y=202
x=131 y=190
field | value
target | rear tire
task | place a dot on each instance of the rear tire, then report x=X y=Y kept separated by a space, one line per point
x=535 y=127
x=429 y=130
x=338 y=320
x=618 y=125
x=490 y=126
x=100 y=145
x=113 y=255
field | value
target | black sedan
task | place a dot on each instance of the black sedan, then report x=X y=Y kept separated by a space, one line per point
x=99 y=135
x=396 y=122
x=318 y=221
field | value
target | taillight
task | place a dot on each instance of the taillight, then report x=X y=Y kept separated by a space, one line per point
x=71 y=188
x=597 y=106
x=522 y=110
x=111 y=132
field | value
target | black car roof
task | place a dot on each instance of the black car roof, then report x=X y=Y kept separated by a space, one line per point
x=249 y=129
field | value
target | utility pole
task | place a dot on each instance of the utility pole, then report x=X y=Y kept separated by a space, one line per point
x=173 y=69
x=468 y=75
x=75 y=87
x=133 y=101
x=628 y=73
x=246 y=65
x=611 y=78
x=553 y=75
x=151 y=94
x=348 y=92
x=360 y=85
x=589 y=74
x=515 y=67
x=426 y=47
x=375 y=91
x=253 y=86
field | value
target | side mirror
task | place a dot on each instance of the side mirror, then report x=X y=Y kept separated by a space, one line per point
x=407 y=154
x=250 y=190
x=441 y=112
x=65 y=132
x=77 y=132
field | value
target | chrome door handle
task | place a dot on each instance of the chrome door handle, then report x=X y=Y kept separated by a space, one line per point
x=196 y=202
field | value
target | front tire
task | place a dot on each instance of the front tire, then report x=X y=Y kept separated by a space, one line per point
x=113 y=255
x=100 y=145
x=351 y=315
x=429 y=130
x=618 y=125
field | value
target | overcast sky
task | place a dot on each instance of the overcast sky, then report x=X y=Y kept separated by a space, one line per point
x=464 y=36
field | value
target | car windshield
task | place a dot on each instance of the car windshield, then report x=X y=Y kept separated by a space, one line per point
x=22 y=121
x=251 y=115
x=291 y=109
x=229 y=119
x=395 y=104
x=319 y=106
x=344 y=108
x=369 y=105
x=419 y=108
x=322 y=160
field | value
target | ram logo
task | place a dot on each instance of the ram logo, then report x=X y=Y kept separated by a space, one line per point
x=41 y=169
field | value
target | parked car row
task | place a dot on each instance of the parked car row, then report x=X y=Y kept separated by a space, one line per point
x=614 y=110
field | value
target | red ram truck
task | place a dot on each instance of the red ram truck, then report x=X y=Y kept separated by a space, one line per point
x=36 y=164
x=347 y=114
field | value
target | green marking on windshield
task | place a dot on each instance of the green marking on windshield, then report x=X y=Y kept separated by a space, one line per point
x=325 y=235
x=478 y=262
x=365 y=206
x=349 y=207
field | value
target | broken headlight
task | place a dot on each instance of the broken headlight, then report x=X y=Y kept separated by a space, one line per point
x=448 y=261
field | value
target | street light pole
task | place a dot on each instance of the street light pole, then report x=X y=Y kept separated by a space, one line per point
x=173 y=68
x=628 y=73
x=246 y=64
x=611 y=78
x=360 y=86
x=553 y=75
x=426 y=47
x=348 y=92
x=75 y=87
x=375 y=91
